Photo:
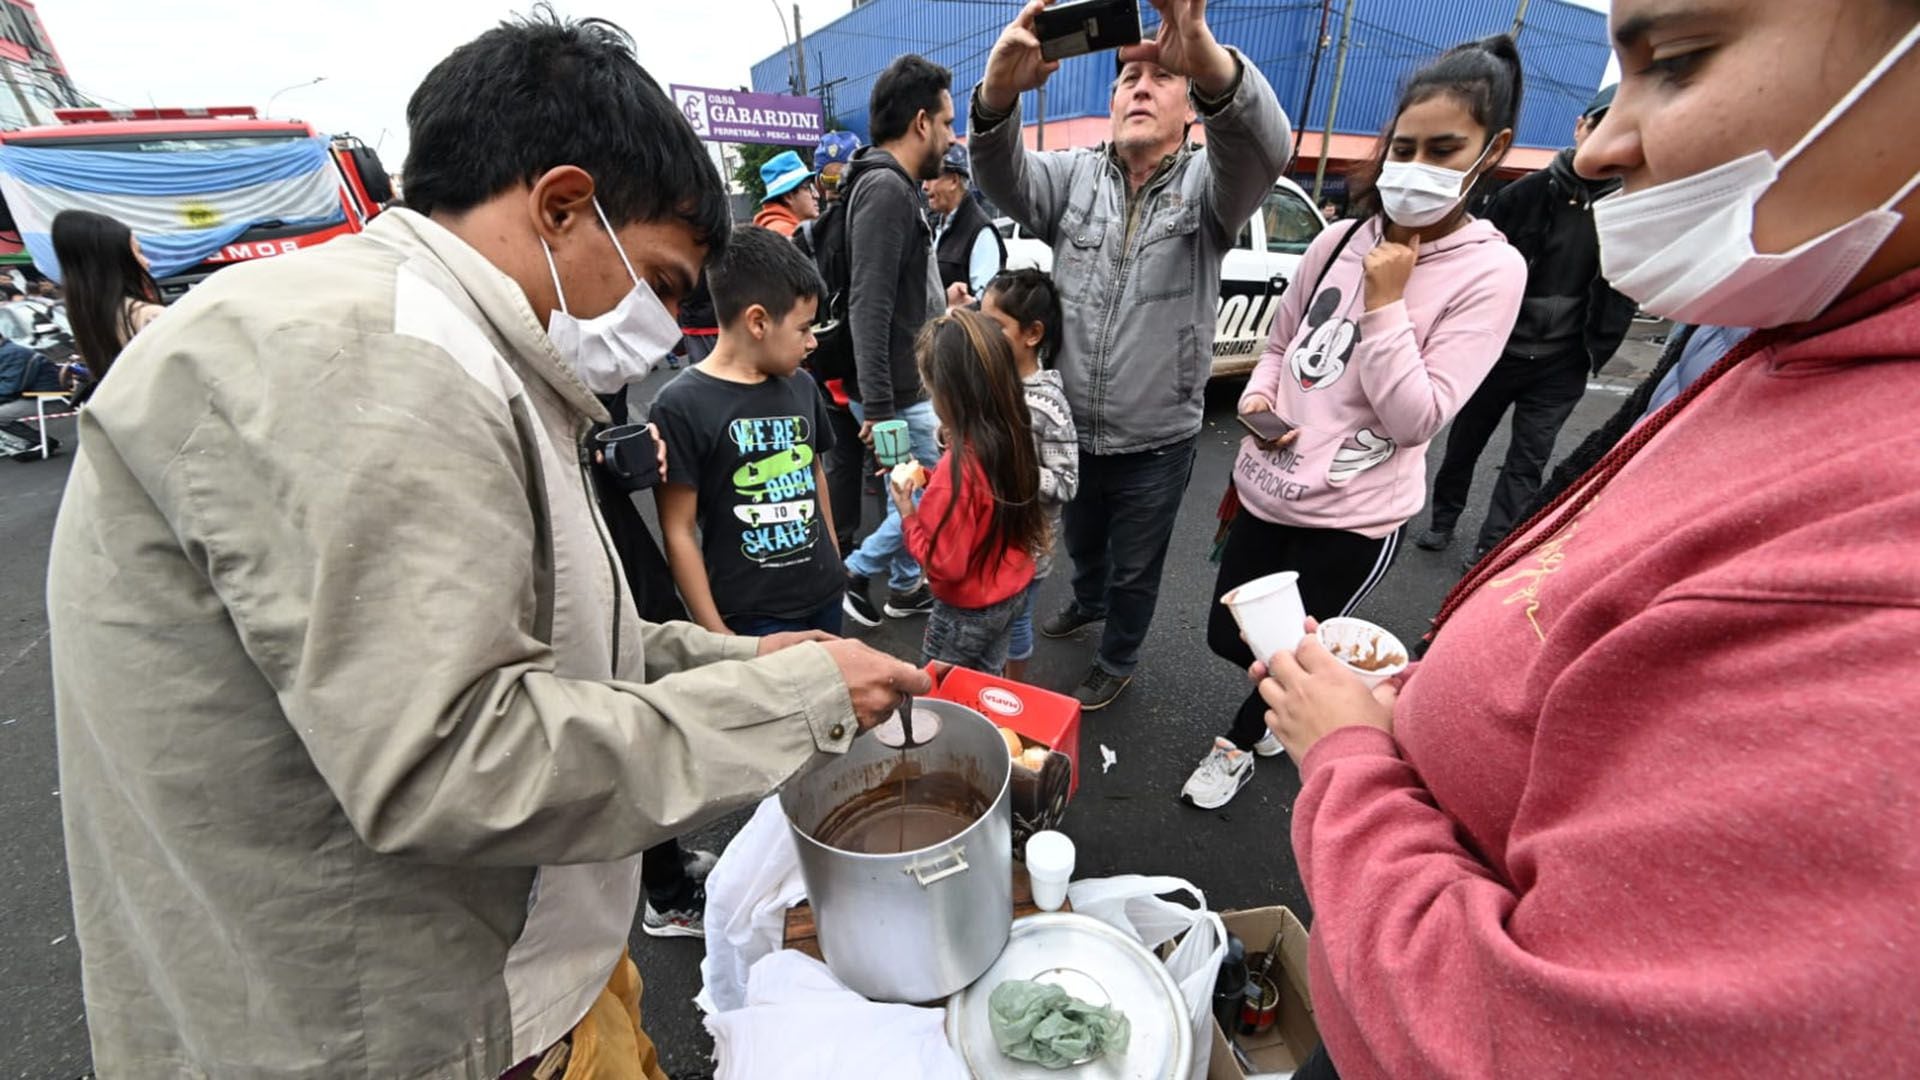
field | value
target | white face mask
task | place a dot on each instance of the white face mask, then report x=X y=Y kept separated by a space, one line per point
x=1684 y=249
x=1416 y=195
x=611 y=350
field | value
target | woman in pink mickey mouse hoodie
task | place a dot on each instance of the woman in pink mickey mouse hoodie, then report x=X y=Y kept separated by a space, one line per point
x=1392 y=323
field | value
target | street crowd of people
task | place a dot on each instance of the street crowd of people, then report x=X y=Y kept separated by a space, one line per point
x=381 y=711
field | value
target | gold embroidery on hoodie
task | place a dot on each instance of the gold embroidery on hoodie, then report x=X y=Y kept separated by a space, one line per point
x=1532 y=572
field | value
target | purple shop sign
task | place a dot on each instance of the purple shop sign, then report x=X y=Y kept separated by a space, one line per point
x=737 y=116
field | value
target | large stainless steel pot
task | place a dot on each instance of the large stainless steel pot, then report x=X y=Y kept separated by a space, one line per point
x=919 y=925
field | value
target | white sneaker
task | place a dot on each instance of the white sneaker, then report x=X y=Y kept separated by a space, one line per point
x=1269 y=746
x=1222 y=773
x=689 y=922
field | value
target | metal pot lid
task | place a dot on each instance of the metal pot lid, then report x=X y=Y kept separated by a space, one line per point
x=1095 y=963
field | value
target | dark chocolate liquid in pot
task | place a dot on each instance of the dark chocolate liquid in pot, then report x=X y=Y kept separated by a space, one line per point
x=905 y=812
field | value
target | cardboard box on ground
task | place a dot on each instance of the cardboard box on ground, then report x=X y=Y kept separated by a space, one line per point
x=1285 y=1046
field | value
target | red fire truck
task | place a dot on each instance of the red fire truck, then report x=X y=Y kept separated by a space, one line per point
x=363 y=183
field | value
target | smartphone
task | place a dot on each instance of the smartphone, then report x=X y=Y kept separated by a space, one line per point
x=1266 y=426
x=1086 y=26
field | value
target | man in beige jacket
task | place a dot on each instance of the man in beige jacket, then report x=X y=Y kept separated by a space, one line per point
x=360 y=734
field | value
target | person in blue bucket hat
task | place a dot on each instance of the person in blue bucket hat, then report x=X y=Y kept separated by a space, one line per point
x=792 y=197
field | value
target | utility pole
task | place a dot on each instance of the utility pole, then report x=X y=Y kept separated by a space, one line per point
x=1040 y=112
x=1519 y=19
x=1333 y=106
x=799 y=51
x=826 y=89
x=795 y=85
x=1320 y=43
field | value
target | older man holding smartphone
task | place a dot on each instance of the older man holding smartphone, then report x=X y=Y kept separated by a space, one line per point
x=1138 y=229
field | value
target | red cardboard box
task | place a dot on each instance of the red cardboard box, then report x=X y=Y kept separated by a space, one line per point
x=1041 y=716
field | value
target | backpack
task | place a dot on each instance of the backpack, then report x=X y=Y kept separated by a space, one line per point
x=824 y=240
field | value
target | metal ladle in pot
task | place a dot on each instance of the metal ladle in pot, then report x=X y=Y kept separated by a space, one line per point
x=906 y=732
x=900 y=733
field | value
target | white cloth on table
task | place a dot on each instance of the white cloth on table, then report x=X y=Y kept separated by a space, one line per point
x=748 y=893
x=800 y=1023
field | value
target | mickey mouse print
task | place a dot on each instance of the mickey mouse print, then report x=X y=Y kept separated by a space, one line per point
x=1318 y=362
x=1322 y=356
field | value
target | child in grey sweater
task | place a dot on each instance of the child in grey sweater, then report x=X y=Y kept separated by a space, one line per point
x=1027 y=307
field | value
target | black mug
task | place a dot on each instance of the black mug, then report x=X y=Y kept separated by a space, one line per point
x=629 y=455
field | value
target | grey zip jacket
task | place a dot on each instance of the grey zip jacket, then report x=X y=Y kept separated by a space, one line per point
x=1139 y=278
x=360 y=734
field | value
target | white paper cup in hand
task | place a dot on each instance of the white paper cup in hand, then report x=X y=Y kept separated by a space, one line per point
x=1361 y=639
x=1049 y=867
x=1270 y=614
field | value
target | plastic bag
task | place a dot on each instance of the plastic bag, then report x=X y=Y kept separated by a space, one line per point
x=1043 y=1024
x=756 y=880
x=1132 y=902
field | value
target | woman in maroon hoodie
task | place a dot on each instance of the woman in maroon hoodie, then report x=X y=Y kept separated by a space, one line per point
x=1651 y=804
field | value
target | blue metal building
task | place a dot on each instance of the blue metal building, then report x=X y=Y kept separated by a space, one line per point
x=1563 y=45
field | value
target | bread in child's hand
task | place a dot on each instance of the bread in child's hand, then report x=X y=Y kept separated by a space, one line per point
x=909 y=476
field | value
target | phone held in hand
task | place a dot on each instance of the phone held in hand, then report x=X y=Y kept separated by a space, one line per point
x=1087 y=26
x=1266 y=426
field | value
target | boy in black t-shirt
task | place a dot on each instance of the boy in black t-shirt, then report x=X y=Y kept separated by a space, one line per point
x=747 y=439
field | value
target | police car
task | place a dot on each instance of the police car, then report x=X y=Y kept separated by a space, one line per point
x=1252 y=276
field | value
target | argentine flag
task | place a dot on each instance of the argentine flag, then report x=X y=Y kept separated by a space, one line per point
x=183 y=205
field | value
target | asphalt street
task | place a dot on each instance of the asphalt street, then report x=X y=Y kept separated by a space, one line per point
x=1127 y=820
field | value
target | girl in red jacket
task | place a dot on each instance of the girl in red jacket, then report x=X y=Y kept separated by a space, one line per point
x=980 y=518
x=1651 y=804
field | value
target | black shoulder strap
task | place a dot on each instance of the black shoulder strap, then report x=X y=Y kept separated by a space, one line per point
x=1334 y=257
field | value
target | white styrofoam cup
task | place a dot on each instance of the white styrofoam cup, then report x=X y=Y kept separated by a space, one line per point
x=1049 y=867
x=1359 y=634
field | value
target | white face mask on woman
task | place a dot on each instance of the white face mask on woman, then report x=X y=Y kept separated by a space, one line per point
x=1684 y=249
x=611 y=350
x=1415 y=195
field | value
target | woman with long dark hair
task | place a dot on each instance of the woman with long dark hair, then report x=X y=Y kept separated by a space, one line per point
x=1649 y=806
x=1402 y=314
x=111 y=295
x=981 y=519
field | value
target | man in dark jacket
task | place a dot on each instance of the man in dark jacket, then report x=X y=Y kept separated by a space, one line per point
x=893 y=290
x=1570 y=324
x=966 y=246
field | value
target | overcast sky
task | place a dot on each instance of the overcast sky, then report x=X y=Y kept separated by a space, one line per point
x=372 y=53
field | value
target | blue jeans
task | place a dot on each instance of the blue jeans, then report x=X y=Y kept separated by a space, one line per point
x=827 y=618
x=1020 y=638
x=885 y=551
x=973 y=638
x=1118 y=527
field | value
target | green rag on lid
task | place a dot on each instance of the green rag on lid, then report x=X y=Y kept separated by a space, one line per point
x=1049 y=1027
